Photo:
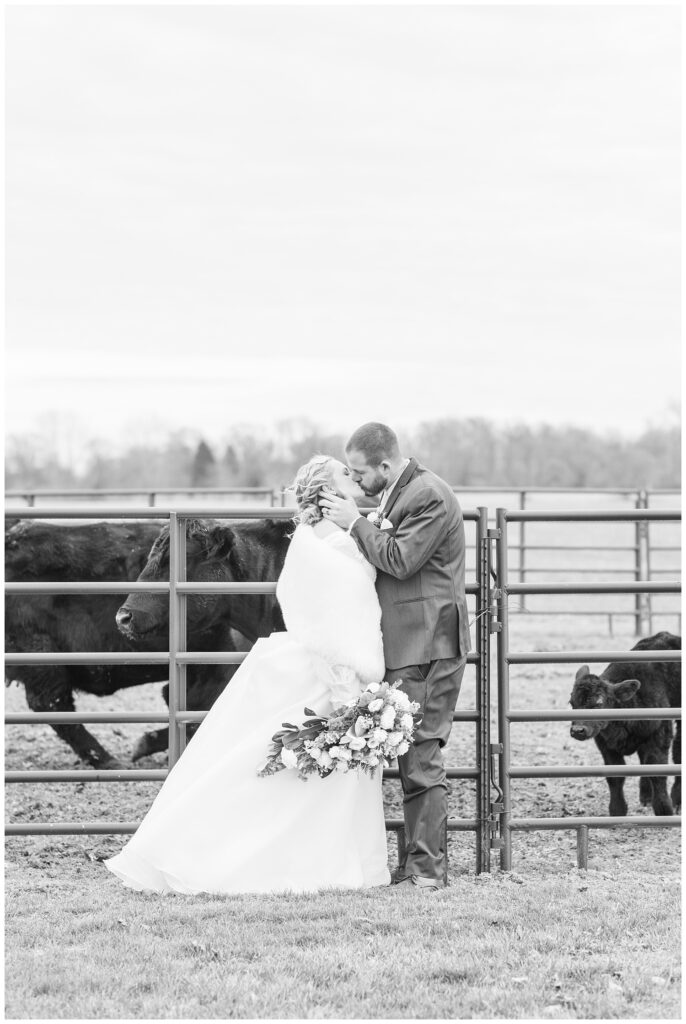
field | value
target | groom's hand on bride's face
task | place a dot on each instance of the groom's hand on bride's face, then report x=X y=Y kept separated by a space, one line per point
x=341 y=511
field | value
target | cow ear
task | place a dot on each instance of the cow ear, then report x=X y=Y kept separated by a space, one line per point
x=625 y=690
x=583 y=671
x=218 y=541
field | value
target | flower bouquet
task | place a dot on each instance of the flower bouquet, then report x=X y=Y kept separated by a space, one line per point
x=363 y=734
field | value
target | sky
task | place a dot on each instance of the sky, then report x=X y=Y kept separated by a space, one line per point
x=222 y=215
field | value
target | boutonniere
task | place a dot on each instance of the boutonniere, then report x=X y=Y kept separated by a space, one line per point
x=375 y=517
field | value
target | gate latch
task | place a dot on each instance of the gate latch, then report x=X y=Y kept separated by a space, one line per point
x=494 y=625
x=495 y=841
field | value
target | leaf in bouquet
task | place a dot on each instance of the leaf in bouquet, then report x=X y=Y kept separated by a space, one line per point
x=310 y=734
x=315 y=723
x=289 y=727
x=310 y=713
x=271 y=768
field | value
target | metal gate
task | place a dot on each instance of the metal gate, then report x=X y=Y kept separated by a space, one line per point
x=492 y=822
x=506 y=657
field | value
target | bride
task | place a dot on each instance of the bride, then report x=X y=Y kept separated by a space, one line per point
x=215 y=826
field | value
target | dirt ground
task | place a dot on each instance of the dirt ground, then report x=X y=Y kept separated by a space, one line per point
x=655 y=850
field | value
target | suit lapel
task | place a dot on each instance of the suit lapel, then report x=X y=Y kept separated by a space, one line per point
x=405 y=477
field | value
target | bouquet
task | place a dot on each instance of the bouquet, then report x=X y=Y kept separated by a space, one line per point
x=363 y=734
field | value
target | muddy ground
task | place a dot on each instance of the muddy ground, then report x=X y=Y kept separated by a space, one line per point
x=655 y=850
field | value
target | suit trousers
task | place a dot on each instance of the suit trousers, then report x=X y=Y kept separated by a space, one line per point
x=436 y=687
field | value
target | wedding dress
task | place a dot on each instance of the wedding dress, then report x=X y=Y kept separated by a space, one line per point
x=215 y=826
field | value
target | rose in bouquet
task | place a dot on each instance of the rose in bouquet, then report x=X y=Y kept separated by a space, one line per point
x=364 y=734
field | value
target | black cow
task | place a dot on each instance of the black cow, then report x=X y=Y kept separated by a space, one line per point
x=38 y=551
x=237 y=551
x=653 y=684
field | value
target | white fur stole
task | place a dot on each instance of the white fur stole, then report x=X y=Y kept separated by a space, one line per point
x=329 y=604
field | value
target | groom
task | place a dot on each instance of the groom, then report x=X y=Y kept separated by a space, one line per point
x=416 y=542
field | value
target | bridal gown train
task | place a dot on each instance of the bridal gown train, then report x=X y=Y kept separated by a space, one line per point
x=215 y=826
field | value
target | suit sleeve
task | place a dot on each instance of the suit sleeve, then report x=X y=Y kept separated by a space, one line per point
x=403 y=552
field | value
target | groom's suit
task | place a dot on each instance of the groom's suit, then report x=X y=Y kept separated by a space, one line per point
x=420 y=583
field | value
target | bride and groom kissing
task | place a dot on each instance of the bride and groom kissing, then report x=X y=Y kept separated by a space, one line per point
x=363 y=600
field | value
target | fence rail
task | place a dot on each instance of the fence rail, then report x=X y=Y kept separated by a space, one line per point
x=29 y=495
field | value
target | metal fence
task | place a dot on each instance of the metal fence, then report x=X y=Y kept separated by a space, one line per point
x=493 y=822
x=178 y=658
x=502 y=807
x=641 y=557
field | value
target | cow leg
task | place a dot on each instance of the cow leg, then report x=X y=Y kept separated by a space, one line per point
x=204 y=684
x=645 y=792
x=657 y=755
x=618 y=805
x=84 y=745
x=155 y=741
x=676 y=757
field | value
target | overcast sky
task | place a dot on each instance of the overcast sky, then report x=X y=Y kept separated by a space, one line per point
x=238 y=214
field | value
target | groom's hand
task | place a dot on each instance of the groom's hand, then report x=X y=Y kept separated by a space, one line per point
x=341 y=511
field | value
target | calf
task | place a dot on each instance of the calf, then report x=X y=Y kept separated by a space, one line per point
x=649 y=684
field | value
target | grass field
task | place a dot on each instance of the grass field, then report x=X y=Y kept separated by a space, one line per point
x=545 y=941
x=551 y=945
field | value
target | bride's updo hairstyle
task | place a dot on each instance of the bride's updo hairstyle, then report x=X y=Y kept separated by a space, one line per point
x=308 y=484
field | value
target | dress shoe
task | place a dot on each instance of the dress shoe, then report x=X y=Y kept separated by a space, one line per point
x=419 y=883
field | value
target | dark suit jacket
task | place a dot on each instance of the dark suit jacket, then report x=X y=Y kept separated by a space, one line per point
x=420 y=570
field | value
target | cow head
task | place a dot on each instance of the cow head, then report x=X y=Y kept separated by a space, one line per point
x=215 y=552
x=145 y=617
x=21 y=557
x=595 y=693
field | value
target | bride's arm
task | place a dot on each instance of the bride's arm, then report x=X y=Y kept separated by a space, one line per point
x=345 y=685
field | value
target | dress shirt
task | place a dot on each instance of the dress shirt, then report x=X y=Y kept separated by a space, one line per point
x=385 y=494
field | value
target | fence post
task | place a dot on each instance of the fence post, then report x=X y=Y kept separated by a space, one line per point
x=173 y=640
x=503 y=689
x=177 y=635
x=483 y=702
x=582 y=847
x=182 y=631
x=638 y=566
x=522 y=550
x=647 y=598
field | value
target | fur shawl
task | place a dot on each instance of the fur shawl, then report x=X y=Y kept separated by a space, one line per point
x=329 y=603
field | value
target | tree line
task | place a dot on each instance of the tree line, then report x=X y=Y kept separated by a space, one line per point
x=465 y=452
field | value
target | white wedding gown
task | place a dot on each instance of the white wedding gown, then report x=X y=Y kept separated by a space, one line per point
x=215 y=826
